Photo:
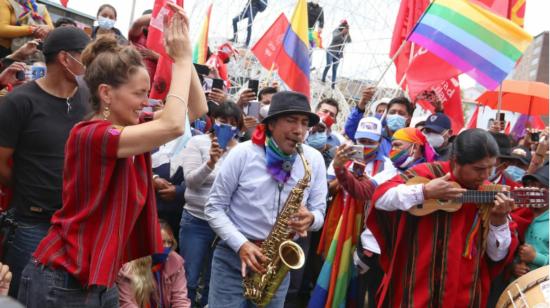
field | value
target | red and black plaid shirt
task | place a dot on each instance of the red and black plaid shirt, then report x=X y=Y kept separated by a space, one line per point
x=109 y=212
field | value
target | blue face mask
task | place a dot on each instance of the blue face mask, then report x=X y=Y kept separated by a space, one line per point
x=514 y=173
x=105 y=23
x=200 y=125
x=317 y=140
x=395 y=122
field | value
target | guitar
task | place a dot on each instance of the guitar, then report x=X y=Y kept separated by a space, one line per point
x=523 y=197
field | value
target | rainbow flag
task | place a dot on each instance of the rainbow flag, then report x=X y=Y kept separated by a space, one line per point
x=337 y=283
x=481 y=44
x=201 y=48
x=315 y=40
x=293 y=58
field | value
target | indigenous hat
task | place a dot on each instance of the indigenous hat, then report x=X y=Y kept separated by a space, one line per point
x=438 y=122
x=541 y=175
x=369 y=127
x=522 y=154
x=65 y=39
x=288 y=102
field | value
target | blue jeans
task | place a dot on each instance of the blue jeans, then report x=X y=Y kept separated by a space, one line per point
x=248 y=13
x=43 y=287
x=226 y=282
x=196 y=238
x=20 y=247
x=333 y=61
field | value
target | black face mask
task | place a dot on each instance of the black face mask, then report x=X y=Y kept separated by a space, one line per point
x=145 y=32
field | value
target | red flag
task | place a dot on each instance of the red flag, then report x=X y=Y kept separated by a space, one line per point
x=267 y=47
x=425 y=70
x=64 y=2
x=155 y=37
x=409 y=13
x=508 y=128
x=448 y=93
x=473 y=120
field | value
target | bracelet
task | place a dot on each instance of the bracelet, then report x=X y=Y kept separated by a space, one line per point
x=176 y=97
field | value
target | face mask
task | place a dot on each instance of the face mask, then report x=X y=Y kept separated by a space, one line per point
x=317 y=140
x=263 y=111
x=435 y=140
x=395 y=122
x=76 y=76
x=401 y=158
x=514 y=173
x=369 y=152
x=105 y=23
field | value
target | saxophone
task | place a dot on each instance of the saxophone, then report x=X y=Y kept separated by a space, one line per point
x=282 y=254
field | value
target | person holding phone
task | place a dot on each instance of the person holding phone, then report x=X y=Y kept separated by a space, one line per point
x=352 y=178
x=202 y=159
x=109 y=213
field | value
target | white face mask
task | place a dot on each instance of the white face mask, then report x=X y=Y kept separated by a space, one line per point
x=434 y=139
x=263 y=111
x=105 y=23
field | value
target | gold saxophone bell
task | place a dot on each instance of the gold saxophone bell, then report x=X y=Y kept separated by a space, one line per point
x=282 y=253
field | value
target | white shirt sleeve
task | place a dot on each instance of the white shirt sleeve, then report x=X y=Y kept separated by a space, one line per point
x=402 y=198
x=317 y=199
x=498 y=242
x=225 y=184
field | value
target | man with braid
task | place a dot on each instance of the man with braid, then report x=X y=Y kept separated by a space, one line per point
x=442 y=259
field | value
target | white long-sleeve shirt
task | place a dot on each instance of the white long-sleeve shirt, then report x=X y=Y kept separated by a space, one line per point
x=403 y=197
x=245 y=200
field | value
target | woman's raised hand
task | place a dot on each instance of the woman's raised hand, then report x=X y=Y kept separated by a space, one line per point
x=176 y=34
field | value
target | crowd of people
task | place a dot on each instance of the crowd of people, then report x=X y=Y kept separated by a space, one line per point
x=110 y=198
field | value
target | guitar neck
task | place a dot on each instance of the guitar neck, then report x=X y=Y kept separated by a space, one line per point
x=480 y=197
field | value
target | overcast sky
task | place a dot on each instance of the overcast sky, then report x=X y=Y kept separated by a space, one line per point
x=371 y=24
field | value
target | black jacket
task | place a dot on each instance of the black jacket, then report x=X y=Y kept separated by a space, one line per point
x=314 y=14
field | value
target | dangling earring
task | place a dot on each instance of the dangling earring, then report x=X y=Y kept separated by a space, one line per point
x=106 y=112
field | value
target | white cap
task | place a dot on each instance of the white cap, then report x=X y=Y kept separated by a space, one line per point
x=369 y=127
x=383 y=100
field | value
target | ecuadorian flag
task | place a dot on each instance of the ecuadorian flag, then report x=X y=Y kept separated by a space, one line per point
x=201 y=48
x=293 y=59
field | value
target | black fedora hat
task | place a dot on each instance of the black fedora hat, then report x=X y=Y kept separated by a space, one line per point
x=288 y=102
x=540 y=175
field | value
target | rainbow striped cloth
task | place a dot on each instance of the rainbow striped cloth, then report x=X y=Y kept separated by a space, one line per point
x=481 y=44
x=336 y=285
x=315 y=40
x=201 y=48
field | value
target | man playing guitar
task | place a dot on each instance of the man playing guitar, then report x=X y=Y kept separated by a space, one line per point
x=445 y=259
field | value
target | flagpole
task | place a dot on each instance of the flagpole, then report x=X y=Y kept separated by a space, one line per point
x=132 y=14
x=499 y=104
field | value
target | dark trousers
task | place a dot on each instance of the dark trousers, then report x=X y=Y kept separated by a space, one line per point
x=333 y=61
x=248 y=13
x=43 y=287
x=369 y=282
x=20 y=247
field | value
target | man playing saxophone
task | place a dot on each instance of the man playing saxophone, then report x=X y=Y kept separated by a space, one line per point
x=250 y=191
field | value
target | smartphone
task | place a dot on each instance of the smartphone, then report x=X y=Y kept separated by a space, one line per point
x=20 y=75
x=202 y=69
x=501 y=117
x=40 y=45
x=358 y=168
x=357 y=153
x=217 y=84
x=254 y=109
x=253 y=85
x=224 y=133
x=535 y=136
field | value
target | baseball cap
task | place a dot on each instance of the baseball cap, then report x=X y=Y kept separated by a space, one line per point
x=522 y=154
x=438 y=122
x=369 y=127
x=65 y=39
